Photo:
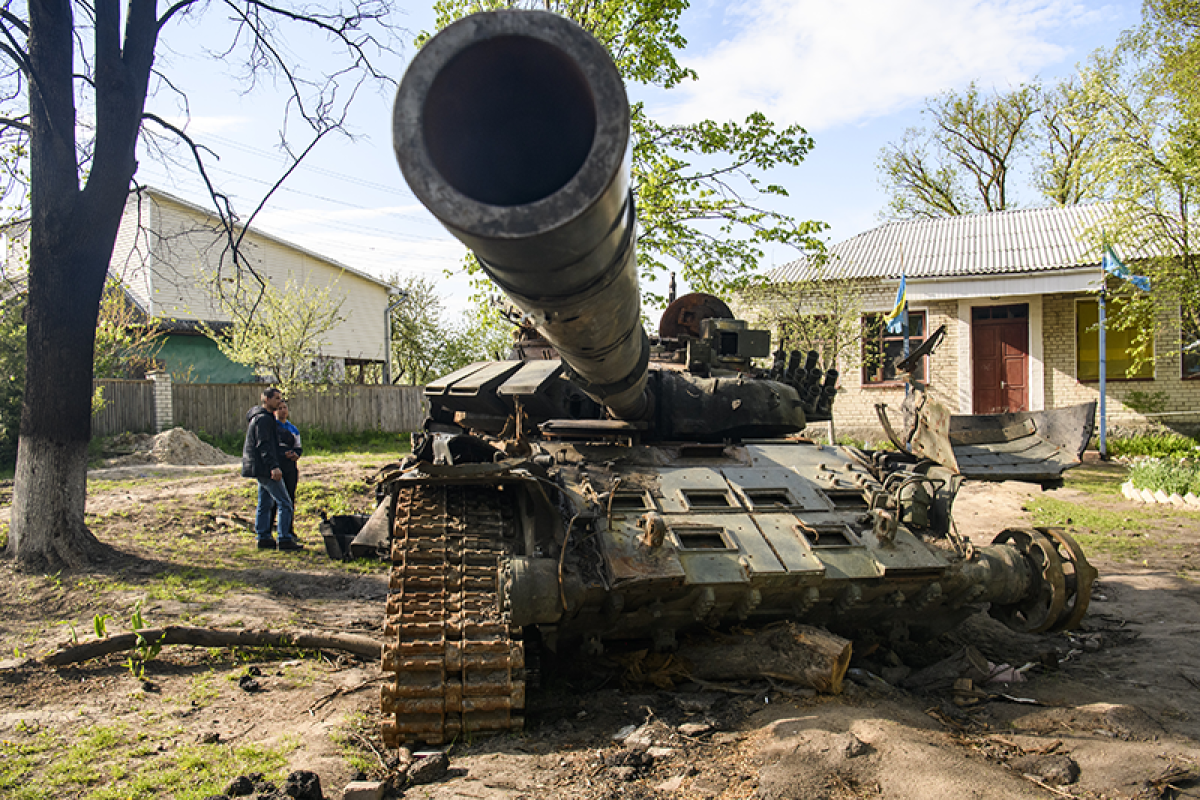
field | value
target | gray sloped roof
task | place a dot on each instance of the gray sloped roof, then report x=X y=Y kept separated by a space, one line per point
x=995 y=243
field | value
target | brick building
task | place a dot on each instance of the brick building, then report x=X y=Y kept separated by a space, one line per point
x=1016 y=291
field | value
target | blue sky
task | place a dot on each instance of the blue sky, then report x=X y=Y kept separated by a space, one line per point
x=855 y=74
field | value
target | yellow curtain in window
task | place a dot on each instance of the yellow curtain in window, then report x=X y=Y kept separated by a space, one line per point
x=1119 y=344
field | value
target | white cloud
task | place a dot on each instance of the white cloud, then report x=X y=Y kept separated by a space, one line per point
x=822 y=63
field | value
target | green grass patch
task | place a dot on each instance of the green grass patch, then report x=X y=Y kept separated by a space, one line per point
x=107 y=762
x=1158 y=444
x=1168 y=474
x=181 y=584
x=1097 y=479
x=1120 y=534
x=322 y=444
x=348 y=497
x=350 y=741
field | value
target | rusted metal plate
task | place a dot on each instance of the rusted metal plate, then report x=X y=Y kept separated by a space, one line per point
x=629 y=560
x=683 y=317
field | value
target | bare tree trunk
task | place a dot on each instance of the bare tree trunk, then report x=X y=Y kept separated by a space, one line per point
x=71 y=236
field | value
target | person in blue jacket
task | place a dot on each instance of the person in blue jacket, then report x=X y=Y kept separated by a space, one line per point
x=261 y=461
x=290 y=449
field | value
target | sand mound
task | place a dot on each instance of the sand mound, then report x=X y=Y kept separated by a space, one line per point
x=176 y=446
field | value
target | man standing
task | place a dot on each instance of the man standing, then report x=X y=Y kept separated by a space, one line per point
x=260 y=460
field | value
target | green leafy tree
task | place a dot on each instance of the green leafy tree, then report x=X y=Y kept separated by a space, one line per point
x=1150 y=157
x=127 y=340
x=702 y=200
x=964 y=161
x=1068 y=169
x=816 y=312
x=280 y=332
x=426 y=344
x=100 y=55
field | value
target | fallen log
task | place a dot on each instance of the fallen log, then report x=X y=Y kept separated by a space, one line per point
x=798 y=654
x=363 y=646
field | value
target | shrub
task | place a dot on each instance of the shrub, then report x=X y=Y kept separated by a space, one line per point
x=1171 y=475
x=1158 y=444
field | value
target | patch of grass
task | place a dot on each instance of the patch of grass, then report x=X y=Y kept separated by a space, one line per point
x=1170 y=475
x=230 y=443
x=104 y=485
x=349 y=739
x=1097 y=479
x=349 y=497
x=110 y=762
x=228 y=498
x=181 y=584
x=1120 y=534
x=322 y=444
x=203 y=689
x=319 y=443
x=1158 y=444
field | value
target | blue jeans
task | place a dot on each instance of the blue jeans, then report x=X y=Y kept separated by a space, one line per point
x=270 y=494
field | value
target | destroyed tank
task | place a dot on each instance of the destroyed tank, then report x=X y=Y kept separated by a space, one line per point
x=607 y=485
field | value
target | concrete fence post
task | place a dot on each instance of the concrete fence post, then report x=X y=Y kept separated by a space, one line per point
x=164 y=416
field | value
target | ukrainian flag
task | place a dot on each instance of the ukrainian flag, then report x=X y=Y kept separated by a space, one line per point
x=893 y=318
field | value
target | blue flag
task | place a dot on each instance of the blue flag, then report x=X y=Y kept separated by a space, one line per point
x=893 y=318
x=1113 y=266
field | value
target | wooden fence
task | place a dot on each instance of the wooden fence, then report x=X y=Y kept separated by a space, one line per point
x=220 y=408
x=128 y=406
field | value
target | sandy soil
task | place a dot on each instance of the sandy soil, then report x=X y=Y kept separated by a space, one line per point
x=1106 y=712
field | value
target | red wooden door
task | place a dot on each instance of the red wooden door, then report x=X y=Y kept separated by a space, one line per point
x=1000 y=358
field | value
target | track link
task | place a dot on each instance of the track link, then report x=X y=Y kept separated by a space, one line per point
x=458 y=664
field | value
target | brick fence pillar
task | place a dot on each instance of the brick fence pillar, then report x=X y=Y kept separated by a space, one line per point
x=164 y=416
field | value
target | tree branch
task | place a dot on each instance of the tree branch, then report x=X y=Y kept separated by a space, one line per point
x=362 y=646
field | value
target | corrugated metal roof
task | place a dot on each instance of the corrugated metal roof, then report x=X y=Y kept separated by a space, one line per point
x=996 y=243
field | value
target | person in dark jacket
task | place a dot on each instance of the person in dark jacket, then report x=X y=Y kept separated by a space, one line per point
x=290 y=450
x=260 y=460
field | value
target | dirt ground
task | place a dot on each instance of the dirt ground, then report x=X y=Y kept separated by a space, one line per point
x=1110 y=711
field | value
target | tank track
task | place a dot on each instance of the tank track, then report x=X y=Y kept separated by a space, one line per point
x=452 y=663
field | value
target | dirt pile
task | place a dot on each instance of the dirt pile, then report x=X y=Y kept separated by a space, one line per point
x=177 y=446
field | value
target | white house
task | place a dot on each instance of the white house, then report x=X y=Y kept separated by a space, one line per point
x=1016 y=291
x=168 y=254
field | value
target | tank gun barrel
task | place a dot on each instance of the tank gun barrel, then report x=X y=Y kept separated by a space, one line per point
x=512 y=128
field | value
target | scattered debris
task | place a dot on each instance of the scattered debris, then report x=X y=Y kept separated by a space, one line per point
x=428 y=768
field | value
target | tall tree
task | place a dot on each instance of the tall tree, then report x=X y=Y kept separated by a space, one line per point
x=964 y=161
x=1149 y=118
x=81 y=167
x=699 y=186
x=1068 y=170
